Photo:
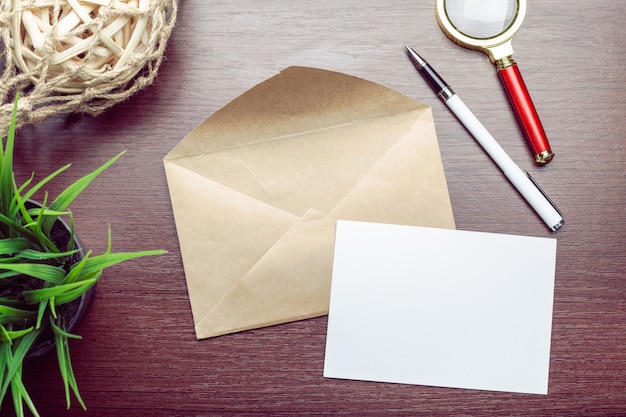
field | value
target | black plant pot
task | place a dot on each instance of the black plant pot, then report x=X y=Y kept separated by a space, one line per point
x=74 y=311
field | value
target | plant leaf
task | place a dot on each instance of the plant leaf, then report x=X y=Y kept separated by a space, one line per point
x=76 y=270
x=20 y=395
x=6 y=159
x=15 y=357
x=62 y=332
x=74 y=294
x=10 y=246
x=10 y=301
x=53 y=307
x=35 y=255
x=65 y=366
x=14 y=312
x=5 y=357
x=62 y=361
x=36 y=296
x=31 y=191
x=68 y=195
x=34 y=227
x=10 y=315
x=16 y=393
x=11 y=224
x=44 y=272
x=10 y=335
x=99 y=262
x=41 y=312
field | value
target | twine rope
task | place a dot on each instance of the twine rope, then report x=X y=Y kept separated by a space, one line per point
x=73 y=56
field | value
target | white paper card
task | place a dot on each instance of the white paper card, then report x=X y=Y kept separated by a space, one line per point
x=441 y=308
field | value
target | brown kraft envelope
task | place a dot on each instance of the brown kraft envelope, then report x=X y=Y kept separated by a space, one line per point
x=256 y=190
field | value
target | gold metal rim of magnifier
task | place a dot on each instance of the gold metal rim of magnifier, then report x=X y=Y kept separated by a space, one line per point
x=481 y=44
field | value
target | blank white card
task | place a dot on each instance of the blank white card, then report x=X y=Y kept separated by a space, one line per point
x=441 y=308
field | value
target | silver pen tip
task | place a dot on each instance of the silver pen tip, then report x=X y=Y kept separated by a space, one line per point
x=418 y=60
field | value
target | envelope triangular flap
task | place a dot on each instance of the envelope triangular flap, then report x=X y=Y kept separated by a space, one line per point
x=297 y=100
x=311 y=170
x=309 y=135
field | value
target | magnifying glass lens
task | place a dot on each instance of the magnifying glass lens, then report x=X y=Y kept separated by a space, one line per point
x=481 y=19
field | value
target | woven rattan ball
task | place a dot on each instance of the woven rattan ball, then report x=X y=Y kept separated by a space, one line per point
x=67 y=56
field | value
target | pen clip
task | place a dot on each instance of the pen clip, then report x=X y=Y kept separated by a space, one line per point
x=543 y=192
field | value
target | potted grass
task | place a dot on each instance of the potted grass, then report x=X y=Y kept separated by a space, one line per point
x=46 y=278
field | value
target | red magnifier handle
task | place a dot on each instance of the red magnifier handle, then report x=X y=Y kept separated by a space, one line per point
x=526 y=114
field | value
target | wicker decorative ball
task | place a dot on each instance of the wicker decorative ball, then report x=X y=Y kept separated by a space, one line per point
x=65 y=56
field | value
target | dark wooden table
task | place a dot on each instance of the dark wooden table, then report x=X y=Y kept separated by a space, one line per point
x=139 y=355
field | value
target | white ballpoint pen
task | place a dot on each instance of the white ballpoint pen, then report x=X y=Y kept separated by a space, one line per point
x=521 y=180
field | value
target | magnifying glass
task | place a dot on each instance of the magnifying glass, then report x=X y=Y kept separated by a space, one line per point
x=489 y=26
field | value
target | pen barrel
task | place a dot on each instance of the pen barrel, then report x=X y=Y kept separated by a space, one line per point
x=526 y=113
x=522 y=183
x=535 y=198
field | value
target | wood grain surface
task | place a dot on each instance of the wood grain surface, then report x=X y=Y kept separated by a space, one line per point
x=139 y=355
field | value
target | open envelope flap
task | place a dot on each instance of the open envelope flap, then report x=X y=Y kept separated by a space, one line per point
x=245 y=183
x=295 y=101
x=310 y=170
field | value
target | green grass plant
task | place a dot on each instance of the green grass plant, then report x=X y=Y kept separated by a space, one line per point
x=37 y=277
